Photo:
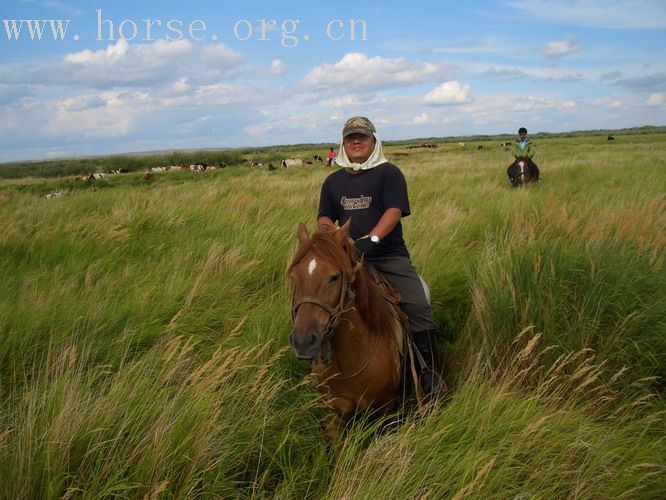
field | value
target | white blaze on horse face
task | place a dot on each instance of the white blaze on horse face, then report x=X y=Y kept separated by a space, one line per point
x=312 y=266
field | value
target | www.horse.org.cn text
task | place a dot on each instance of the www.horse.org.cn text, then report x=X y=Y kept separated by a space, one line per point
x=287 y=32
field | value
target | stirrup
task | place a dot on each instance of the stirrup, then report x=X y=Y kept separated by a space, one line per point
x=430 y=384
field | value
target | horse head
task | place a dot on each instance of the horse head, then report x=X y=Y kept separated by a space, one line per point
x=322 y=272
x=523 y=173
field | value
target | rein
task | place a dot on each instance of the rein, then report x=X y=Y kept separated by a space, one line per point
x=335 y=313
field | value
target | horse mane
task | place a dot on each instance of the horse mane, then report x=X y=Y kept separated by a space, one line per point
x=370 y=301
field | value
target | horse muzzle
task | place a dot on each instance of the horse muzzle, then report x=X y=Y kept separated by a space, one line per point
x=306 y=344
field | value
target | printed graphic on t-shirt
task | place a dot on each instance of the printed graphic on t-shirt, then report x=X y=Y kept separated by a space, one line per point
x=356 y=203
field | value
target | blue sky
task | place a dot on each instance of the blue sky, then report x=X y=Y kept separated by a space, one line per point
x=213 y=74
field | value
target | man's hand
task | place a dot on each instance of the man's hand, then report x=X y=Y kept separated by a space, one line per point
x=364 y=246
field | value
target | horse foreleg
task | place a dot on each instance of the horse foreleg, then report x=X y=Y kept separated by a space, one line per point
x=334 y=429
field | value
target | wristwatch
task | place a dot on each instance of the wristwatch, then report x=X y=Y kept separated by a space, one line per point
x=374 y=238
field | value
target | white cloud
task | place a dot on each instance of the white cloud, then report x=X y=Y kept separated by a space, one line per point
x=111 y=114
x=178 y=88
x=560 y=48
x=610 y=102
x=452 y=92
x=656 y=99
x=142 y=95
x=613 y=14
x=111 y=54
x=277 y=67
x=223 y=93
x=531 y=103
x=80 y=103
x=421 y=119
x=131 y=65
x=342 y=102
x=360 y=72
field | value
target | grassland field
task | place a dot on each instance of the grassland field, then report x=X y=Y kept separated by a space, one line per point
x=144 y=327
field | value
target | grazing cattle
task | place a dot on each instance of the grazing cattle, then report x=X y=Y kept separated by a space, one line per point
x=400 y=153
x=198 y=167
x=291 y=162
x=158 y=169
x=479 y=146
x=318 y=158
x=506 y=146
x=256 y=164
x=222 y=165
x=271 y=167
x=308 y=162
x=95 y=177
x=118 y=171
x=54 y=194
x=148 y=176
x=462 y=145
x=611 y=138
x=423 y=145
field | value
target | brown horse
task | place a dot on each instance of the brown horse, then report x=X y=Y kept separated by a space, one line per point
x=349 y=327
x=522 y=171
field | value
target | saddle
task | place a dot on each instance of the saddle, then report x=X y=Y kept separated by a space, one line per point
x=409 y=354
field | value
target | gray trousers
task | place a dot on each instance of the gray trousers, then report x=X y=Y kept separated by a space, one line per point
x=402 y=276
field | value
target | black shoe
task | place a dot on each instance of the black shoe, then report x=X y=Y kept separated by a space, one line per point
x=428 y=378
x=430 y=385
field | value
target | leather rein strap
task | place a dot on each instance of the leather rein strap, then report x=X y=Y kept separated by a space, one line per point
x=346 y=292
x=335 y=314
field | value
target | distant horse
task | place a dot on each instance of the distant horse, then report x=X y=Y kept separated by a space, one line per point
x=350 y=328
x=522 y=171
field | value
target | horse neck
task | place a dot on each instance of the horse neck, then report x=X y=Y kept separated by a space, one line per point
x=374 y=305
x=353 y=345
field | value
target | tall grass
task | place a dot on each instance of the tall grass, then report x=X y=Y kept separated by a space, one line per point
x=173 y=421
x=143 y=328
x=498 y=438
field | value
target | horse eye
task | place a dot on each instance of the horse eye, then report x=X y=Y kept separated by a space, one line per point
x=334 y=279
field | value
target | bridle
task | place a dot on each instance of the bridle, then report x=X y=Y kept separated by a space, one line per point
x=345 y=304
x=347 y=296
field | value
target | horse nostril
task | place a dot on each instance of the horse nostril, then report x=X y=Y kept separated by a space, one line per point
x=313 y=339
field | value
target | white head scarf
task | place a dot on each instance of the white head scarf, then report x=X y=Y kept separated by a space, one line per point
x=376 y=158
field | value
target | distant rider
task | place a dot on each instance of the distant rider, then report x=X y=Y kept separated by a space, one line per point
x=523 y=148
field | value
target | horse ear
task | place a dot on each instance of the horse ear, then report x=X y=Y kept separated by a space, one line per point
x=343 y=232
x=302 y=232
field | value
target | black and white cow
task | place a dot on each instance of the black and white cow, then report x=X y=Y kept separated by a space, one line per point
x=291 y=162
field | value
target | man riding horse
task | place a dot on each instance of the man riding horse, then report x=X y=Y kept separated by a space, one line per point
x=372 y=193
x=523 y=151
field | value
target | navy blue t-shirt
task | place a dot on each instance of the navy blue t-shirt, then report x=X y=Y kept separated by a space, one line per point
x=365 y=196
